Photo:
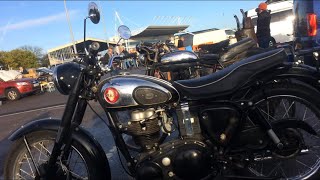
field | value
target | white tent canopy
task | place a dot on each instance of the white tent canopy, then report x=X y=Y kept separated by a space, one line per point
x=9 y=75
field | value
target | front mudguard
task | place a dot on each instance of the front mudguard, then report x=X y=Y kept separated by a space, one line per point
x=92 y=147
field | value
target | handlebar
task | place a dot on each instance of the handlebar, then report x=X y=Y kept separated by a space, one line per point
x=115 y=57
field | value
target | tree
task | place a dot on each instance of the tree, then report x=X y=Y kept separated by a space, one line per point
x=45 y=61
x=38 y=51
x=2 y=64
x=18 y=57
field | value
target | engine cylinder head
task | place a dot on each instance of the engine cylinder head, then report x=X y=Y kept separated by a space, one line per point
x=144 y=128
x=139 y=115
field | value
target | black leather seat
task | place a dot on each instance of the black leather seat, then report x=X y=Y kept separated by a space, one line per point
x=231 y=78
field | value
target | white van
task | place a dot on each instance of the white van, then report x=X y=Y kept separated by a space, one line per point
x=207 y=36
x=282 y=17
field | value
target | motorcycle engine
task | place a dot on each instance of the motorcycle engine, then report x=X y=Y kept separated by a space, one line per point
x=144 y=127
x=178 y=159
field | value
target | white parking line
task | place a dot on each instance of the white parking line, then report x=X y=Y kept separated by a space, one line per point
x=34 y=110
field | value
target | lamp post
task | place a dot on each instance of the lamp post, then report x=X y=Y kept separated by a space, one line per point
x=70 y=27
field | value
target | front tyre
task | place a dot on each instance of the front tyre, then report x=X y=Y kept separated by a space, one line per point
x=13 y=94
x=300 y=157
x=19 y=164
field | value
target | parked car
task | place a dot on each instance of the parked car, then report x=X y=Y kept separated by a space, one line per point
x=44 y=74
x=14 y=89
x=306 y=27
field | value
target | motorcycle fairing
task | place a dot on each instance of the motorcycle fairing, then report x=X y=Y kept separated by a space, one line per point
x=228 y=80
x=93 y=148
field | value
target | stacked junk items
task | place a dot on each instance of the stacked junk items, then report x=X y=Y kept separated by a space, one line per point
x=245 y=46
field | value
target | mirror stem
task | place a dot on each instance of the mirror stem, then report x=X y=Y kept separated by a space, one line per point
x=119 y=41
x=84 y=35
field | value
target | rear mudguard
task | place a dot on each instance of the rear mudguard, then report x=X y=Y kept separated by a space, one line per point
x=292 y=123
x=92 y=147
x=303 y=73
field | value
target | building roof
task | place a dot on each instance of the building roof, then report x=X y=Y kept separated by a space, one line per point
x=79 y=44
x=197 y=32
x=159 y=31
x=205 y=30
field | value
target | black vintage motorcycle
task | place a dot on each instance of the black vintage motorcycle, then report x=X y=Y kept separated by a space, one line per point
x=240 y=122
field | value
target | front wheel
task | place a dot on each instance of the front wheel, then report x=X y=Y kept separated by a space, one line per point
x=20 y=165
x=13 y=94
x=300 y=157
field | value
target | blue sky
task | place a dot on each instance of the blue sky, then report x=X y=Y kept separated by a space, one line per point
x=44 y=24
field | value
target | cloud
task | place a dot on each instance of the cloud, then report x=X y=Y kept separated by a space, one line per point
x=37 y=22
x=4 y=32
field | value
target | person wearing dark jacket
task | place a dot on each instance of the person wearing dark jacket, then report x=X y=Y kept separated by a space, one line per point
x=263 y=26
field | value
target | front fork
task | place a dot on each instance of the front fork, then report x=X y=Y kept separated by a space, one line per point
x=255 y=115
x=71 y=118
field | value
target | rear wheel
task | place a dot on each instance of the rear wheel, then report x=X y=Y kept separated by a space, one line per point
x=13 y=94
x=300 y=157
x=20 y=165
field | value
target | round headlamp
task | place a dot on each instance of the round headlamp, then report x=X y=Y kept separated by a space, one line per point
x=65 y=76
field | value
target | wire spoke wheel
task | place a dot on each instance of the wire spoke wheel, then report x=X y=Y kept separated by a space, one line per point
x=23 y=166
x=300 y=157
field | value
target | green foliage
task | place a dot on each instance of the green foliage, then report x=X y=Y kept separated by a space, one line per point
x=45 y=61
x=38 y=51
x=18 y=57
x=42 y=58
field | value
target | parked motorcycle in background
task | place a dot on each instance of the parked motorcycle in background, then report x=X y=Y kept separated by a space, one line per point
x=237 y=123
x=168 y=63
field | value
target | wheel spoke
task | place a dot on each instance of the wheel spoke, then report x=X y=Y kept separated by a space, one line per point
x=279 y=164
x=30 y=167
x=283 y=173
x=30 y=154
x=27 y=173
x=21 y=177
x=267 y=114
x=76 y=176
x=287 y=110
x=303 y=164
x=304 y=114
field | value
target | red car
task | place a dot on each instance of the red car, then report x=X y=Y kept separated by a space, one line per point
x=14 y=89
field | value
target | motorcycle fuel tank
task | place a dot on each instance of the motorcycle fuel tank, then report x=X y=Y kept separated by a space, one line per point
x=178 y=57
x=177 y=60
x=125 y=91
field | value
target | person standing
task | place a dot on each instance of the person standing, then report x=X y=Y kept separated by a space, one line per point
x=263 y=25
x=23 y=70
x=181 y=42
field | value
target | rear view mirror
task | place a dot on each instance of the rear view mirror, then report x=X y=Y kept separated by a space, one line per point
x=94 y=13
x=124 y=32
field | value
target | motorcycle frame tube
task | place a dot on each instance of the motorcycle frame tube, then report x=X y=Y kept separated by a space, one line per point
x=76 y=121
x=64 y=128
x=119 y=141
